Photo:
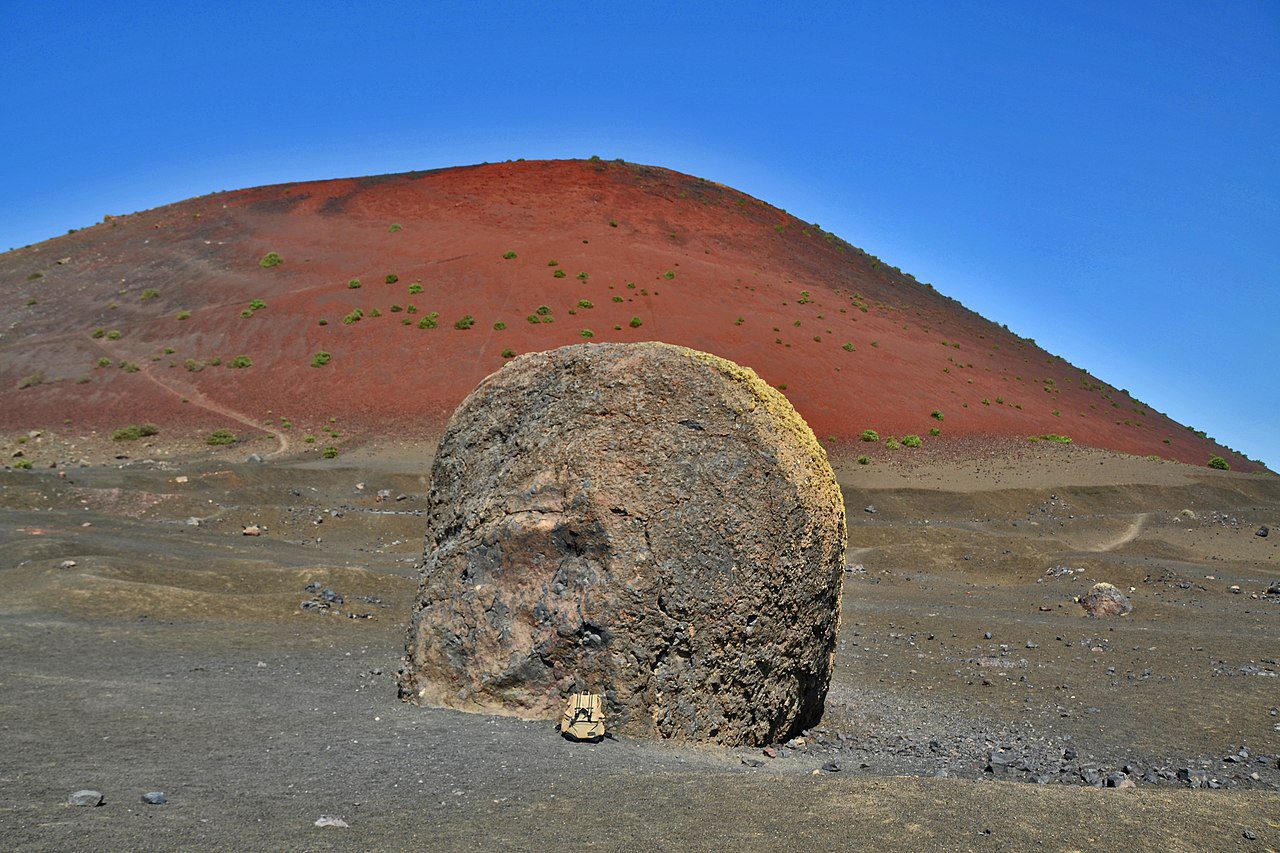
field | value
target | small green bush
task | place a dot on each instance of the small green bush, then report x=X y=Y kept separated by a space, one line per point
x=559 y=273
x=508 y=353
x=392 y=278
x=553 y=263
x=636 y=323
x=466 y=322
x=354 y=284
x=430 y=321
x=257 y=304
x=215 y=361
x=507 y=256
x=864 y=460
x=320 y=359
x=98 y=333
x=149 y=294
x=587 y=333
x=411 y=308
x=322 y=322
x=396 y=227
x=415 y=288
x=892 y=443
x=582 y=276
x=246 y=313
x=668 y=275
x=184 y=315
x=936 y=414
x=1219 y=463
x=617 y=299
x=241 y=361
x=613 y=223
x=193 y=365
x=310 y=439
x=870 y=435
x=133 y=433
x=499 y=326
x=396 y=309
x=24 y=464
x=270 y=259
x=329 y=452
x=114 y=335
x=354 y=317
x=129 y=367
x=911 y=441
x=585 y=303
x=1053 y=436
x=221 y=436
x=848 y=348
x=104 y=362
x=934 y=431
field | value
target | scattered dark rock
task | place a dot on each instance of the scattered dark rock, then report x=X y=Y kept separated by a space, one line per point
x=1249 y=835
x=1193 y=778
x=578 y=536
x=1103 y=600
x=155 y=798
x=85 y=798
x=832 y=767
x=752 y=762
x=254 y=458
x=1263 y=531
x=869 y=508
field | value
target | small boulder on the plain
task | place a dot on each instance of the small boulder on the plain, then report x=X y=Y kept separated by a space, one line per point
x=155 y=798
x=1263 y=531
x=85 y=798
x=1103 y=599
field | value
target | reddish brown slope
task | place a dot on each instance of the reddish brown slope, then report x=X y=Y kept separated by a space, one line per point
x=854 y=343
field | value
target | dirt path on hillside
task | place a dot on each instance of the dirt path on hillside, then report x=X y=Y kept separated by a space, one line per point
x=190 y=394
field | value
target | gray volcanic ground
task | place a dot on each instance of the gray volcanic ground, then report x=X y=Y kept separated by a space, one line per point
x=179 y=655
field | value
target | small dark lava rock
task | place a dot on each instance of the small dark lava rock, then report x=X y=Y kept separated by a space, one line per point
x=832 y=767
x=1263 y=531
x=752 y=762
x=155 y=798
x=987 y=635
x=1249 y=834
x=870 y=508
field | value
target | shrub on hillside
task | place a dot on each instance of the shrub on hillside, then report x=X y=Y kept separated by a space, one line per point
x=221 y=436
x=870 y=435
x=270 y=259
x=1219 y=463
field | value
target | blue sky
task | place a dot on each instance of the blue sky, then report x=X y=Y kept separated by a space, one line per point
x=1102 y=177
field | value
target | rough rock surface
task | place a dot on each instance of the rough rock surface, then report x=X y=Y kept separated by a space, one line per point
x=1103 y=599
x=640 y=520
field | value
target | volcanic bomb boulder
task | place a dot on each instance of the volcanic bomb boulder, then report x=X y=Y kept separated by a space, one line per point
x=644 y=521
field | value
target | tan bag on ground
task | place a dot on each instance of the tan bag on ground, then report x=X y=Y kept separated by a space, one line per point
x=583 y=717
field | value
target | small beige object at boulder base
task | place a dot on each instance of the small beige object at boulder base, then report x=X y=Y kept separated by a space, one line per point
x=1103 y=599
x=583 y=717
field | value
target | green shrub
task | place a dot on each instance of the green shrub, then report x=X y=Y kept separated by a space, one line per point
x=396 y=227
x=636 y=323
x=466 y=322
x=864 y=460
x=329 y=452
x=149 y=294
x=354 y=284
x=617 y=299
x=534 y=319
x=585 y=303
x=559 y=273
x=613 y=223
x=354 y=317
x=114 y=335
x=129 y=367
x=184 y=315
x=374 y=312
x=215 y=361
x=246 y=313
x=241 y=361
x=320 y=359
x=870 y=435
x=221 y=436
x=193 y=365
x=553 y=263
x=934 y=431
x=396 y=309
x=911 y=441
x=411 y=308
x=257 y=304
x=499 y=326
x=848 y=347
x=104 y=362
x=587 y=333
x=270 y=259
x=133 y=433
x=430 y=321
x=508 y=353
x=31 y=381
x=1053 y=436
x=543 y=310
x=392 y=278
x=1219 y=463
x=506 y=256
x=415 y=288
x=322 y=322
x=582 y=276
x=311 y=439
x=169 y=350
x=98 y=333
x=936 y=414
x=892 y=443
x=24 y=464
x=668 y=275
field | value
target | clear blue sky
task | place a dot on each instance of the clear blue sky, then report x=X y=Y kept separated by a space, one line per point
x=1103 y=177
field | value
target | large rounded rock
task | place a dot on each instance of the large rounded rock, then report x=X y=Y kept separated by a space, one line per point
x=644 y=521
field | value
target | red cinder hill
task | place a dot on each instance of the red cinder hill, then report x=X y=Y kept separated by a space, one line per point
x=415 y=285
